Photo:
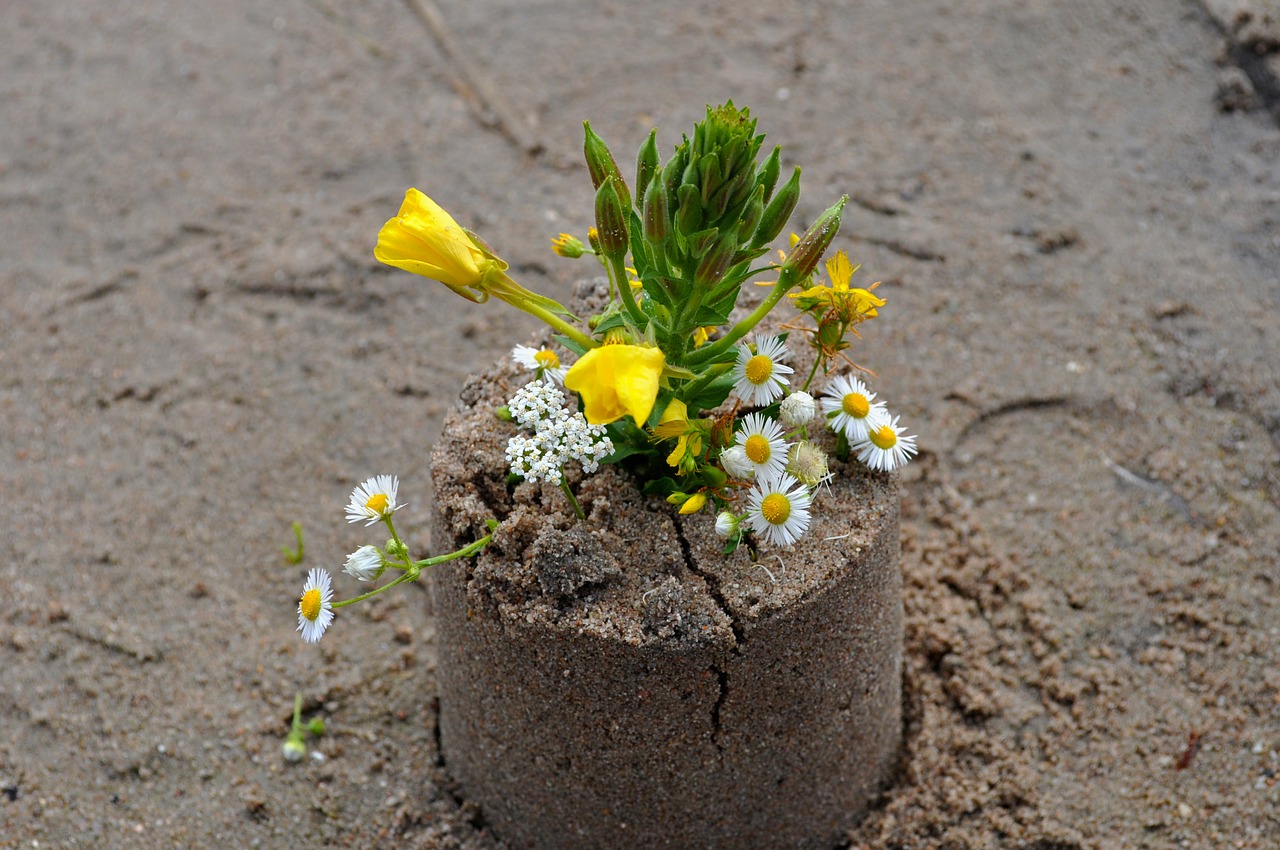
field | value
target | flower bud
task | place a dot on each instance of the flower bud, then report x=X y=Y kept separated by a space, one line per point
x=767 y=177
x=646 y=164
x=656 y=225
x=714 y=263
x=751 y=214
x=694 y=503
x=611 y=219
x=689 y=212
x=294 y=749
x=778 y=211
x=601 y=164
x=797 y=409
x=726 y=524
x=804 y=258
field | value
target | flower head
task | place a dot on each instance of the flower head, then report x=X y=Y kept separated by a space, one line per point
x=315 y=607
x=726 y=523
x=847 y=305
x=761 y=440
x=735 y=462
x=425 y=240
x=364 y=564
x=778 y=510
x=373 y=500
x=544 y=362
x=807 y=463
x=568 y=245
x=885 y=447
x=797 y=409
x=759 y=376
x=851 y=407
x=616 y=380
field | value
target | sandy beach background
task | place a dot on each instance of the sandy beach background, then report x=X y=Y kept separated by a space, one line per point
x=1075 y=212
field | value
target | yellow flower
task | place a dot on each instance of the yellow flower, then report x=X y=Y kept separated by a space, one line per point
x=694 y=503
x=849 y=305
x=567 y=245
x=425 y=240
x=615 y=380
x=675 y=423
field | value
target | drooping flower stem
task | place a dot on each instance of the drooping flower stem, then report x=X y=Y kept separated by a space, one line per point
x=415 y=568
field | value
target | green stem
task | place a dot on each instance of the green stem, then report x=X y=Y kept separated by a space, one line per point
x=573 y=501
x=556 y=323
x=817 y=361
x=414 y=569
x=786 y=280
x=701 y=383
x=628 y=297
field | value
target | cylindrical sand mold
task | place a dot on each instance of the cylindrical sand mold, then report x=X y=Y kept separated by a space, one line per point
x=622 y=683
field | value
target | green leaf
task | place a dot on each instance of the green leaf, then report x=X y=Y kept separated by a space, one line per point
x=569 y=344
x=713 y=394
x=660 y=487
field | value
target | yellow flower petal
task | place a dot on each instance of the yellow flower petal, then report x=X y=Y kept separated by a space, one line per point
x=616 y=380
x=425 y=240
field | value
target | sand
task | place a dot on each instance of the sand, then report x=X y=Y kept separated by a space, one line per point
x=1073 y=209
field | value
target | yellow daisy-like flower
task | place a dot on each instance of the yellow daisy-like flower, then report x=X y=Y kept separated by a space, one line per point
x=568 y=245
x=425 y=240
x=616 y=380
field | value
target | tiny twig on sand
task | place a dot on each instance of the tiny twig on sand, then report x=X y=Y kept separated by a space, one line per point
x=490 y=105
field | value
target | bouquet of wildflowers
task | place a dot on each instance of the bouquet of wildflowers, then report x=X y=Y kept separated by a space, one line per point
x=671 y=379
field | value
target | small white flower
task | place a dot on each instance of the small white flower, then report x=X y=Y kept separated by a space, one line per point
x=293 y=749
x=543 y=361
x=364 y=564
x=797 y=409
x=759 y=378
x=373 y=500
x=761 y=439
x=778 y=510
x=886 y=448
x=315 y=607
x=852 y=407
x=735 y=462
x=536 y=401
x=726 y=523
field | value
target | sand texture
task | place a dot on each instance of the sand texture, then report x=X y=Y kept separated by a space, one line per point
x=1073 y=208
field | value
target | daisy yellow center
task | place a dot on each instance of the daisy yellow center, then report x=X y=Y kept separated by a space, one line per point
x=883 y=437
x=775 y=508
x=547 y=359
x=759 y=368
x=378 y=503
x=856 y=405
x=310 y=604
x=757 y=448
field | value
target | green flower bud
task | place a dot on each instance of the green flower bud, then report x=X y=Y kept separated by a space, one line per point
x=611 y=220
x=715 y=263
x=778 y=211
x=601 y=164
x=646 y=164
x=714 y=476
x=689 y=212
x=656 y=223
x=751 y=214
x=804 y=258
x=709 y=171
x=768 y=175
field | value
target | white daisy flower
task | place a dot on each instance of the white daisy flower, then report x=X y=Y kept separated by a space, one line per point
x=886 y=447
x=735 y=462
x=797 y=409
x=778 y=510
x=364 y=564
x=315 y=608
x=851 y=407
x=759 y=377
x=543 y=361
x=373 y=500
x=761 y=439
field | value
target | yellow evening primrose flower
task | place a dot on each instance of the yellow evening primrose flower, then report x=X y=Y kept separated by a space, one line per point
x=688 y=435
x=616 y=380
x=425 y=240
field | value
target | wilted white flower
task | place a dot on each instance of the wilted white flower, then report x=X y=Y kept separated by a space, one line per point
x=364 y=564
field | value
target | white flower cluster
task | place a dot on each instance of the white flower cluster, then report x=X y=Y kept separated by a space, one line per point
x=558 y=436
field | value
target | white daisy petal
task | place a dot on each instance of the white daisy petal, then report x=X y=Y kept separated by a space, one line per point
x=373 y=500
x=851 y=407
x=886 y=448
x=761 y=440
x=545 y=362
x=315 y=606
x=759 y=377
x=778 y=510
